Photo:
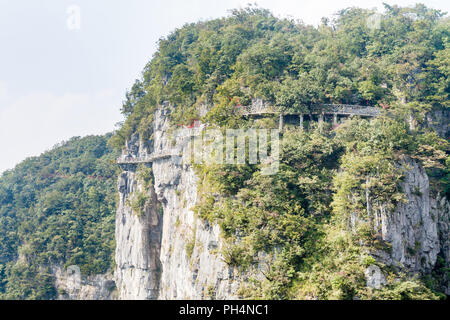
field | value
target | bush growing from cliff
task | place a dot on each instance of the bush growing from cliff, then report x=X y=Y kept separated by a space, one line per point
x=138 y=202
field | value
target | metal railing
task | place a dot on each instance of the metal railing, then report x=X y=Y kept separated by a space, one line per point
x=341 y=109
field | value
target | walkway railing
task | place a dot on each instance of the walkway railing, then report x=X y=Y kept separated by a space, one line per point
x=146 y=159
x=340 y=109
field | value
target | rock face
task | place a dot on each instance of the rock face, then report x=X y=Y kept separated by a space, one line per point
x=417 y=230
x=72 y=286
x=167 y=253
x=138 y=241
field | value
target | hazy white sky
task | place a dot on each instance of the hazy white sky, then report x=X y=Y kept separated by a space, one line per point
x=57 y=82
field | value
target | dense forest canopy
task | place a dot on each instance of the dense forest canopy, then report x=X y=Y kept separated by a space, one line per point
x=398 y=59
x=57 y=209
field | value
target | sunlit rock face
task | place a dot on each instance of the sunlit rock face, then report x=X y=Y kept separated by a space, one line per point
x=417 y=230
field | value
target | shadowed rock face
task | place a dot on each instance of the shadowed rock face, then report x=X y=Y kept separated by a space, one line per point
x=439 y=120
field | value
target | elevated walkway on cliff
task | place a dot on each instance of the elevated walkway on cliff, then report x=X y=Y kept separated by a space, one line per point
x=334 y=113
x=326 y=112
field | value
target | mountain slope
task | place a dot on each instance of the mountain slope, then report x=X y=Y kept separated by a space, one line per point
x=57 y=210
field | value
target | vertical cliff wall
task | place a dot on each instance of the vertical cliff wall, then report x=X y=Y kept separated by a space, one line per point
x=167 y=253
x=71 y=285
x=138 y=242
x=417 y=231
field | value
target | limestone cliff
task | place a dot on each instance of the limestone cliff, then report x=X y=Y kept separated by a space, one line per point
x=152 y=256
x=71 y=285
x=417 y=230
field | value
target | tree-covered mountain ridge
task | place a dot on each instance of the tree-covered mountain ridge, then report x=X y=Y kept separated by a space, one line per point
x=399 y=62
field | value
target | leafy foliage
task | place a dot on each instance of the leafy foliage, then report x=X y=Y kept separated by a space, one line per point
x=57 y=209
x=298 y=219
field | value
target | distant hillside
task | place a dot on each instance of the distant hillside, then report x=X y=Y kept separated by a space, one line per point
x=57 y=208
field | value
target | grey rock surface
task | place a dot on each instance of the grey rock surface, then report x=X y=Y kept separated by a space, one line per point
x=151 y=256
x=374 y=277
x=71 y=285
